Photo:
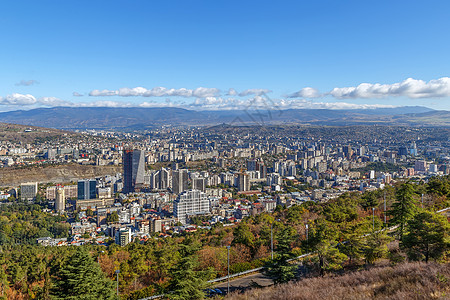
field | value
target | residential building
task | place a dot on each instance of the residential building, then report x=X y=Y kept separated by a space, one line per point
x=28 y=191
x=188 y=203
x=60 y=201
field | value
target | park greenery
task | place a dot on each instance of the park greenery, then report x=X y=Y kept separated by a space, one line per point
x=344 y=234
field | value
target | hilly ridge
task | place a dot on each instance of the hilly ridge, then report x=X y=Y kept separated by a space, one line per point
x=140 y=118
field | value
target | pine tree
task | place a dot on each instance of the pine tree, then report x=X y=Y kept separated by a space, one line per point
x=403 y=208
x=376 y=246
x=243 y=235
x=81 y=278
x=329 y=256
x=353 y=235
x=280 y=268
x=186 y=283
x=427 y=236
x=323 y=241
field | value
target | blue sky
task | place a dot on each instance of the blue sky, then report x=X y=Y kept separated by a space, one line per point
x=302 y=54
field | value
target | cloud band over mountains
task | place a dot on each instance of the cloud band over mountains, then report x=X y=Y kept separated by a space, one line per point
x=208 y=103
x=202 y=98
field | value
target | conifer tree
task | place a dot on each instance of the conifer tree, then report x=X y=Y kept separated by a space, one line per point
x=186 y=282
x=376 y=246
x=403 y=208
x=427 y=236
x=280 y=268
x=81 y=278
x=322 y=240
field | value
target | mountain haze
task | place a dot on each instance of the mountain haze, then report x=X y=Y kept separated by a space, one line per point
x=140 y=118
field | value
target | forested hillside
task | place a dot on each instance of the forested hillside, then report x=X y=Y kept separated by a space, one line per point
x=345 y=234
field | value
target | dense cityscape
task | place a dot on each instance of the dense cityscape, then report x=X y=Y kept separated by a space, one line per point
x=174 y=183
x=220 y=174
x=225 y=150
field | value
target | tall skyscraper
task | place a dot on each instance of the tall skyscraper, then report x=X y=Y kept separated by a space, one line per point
x=60 y=201
x=403 y=151
x=133 y=169
x=192 y=202
x=161 y=179
x=257 y=165
x=199 y=183
x=87 y=189
x=179 y=181
x=243 y=182
x=348 y=151
x=413 y=149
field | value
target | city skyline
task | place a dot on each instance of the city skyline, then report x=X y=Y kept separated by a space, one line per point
x=208 y=56
x=224 y=149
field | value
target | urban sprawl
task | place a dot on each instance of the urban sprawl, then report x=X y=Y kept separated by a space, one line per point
x=174 y=180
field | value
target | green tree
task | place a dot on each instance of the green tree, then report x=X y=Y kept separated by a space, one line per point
x=403 y=208
x=294 y=214
x=353 y=235
x=322 y=240
x=81 y=278
x=376 y=246
x=186 y=282
x=243 y=235
x=427 y=236
x=329 y=257
x=439 y=186
x=112 y=217
x=342 y=209
x=280 y=268
x=369 y=199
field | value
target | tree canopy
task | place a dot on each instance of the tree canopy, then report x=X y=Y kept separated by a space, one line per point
x=81 y=278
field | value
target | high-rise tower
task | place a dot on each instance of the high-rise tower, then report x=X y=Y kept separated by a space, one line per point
x=87 y=189
x=179 y=181
x=133 y=169
x=60 y=201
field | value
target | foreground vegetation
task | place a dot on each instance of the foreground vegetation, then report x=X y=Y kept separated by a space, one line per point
x=345 y=234
x=404 y=281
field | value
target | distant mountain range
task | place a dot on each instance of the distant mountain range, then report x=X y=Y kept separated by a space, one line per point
x=143 y=118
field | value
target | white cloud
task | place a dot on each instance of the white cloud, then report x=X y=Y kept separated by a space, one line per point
x=155 y=104
x=103 y=104
x=257 y=92
x=199 y=103
x=344 y=105
x=97 y=93
x=264 y=103
x=53 y=101
x=308 y=104
x=18 y=99
x=411 y=88
x=200 y=92
x=232 y=92
x=76 y=94
x=27 y=82
x=307 y=92
x=164 y=92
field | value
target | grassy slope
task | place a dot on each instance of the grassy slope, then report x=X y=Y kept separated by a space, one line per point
x=16 y=133
x=405 y=281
